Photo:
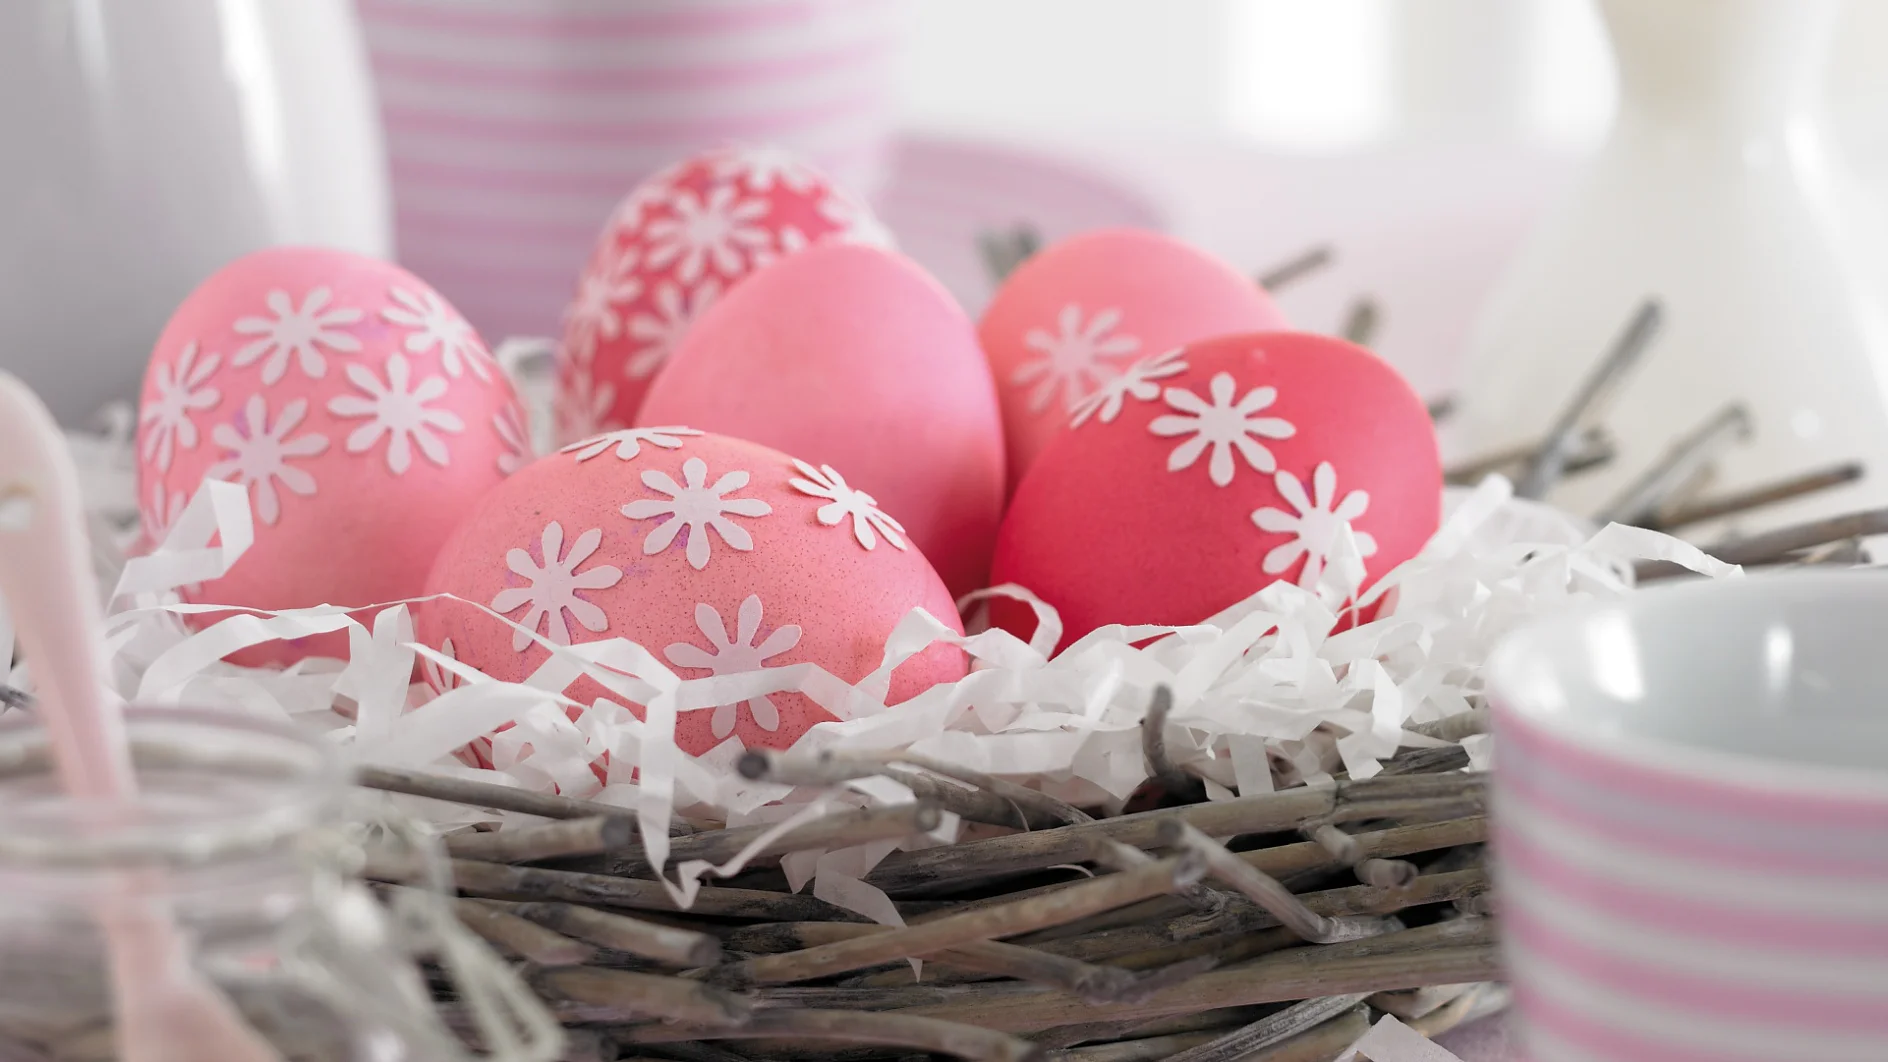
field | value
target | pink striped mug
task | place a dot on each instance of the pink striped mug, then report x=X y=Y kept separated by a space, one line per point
x=1691 y=823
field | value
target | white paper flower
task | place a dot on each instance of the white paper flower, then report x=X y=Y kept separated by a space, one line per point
x=509 y=424
x=824 y=482
x=554 y=586
x=628 y=442
x=438 y=679
x=297 y=333
x=1105 y=402
x=180 y=392
x=764 y=167
x=1224 y=425
x=855 y=221
x=398 y=412
x=662 y=330
x=592 y=315
x=1314 y=526
x=582 y=407
x=436 y=324
x=161 y=512
x=715 y=232
x=258 y=454
x=697 y=506
x=735 y=656
x=1072 y=358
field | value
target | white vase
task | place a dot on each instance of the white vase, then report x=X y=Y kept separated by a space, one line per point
x=148 y=142
x=1717 y=194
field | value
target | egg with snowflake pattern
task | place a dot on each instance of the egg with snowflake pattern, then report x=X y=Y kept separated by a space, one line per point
x=672 y=247
x=1200 y=475
x=718 y=555
x=357 y=407
x=855 y=356
x=1078 y=313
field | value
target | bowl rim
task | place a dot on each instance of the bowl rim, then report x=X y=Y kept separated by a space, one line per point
x=1666 y=757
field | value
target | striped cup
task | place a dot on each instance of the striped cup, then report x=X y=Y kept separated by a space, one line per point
x=514 y=126
x=1691 y=824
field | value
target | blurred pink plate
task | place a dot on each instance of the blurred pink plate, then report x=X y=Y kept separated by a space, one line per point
x=944 y=192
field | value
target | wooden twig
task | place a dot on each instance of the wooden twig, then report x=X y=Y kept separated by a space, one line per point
x=827 y=768
x=1263 y=890
x=1362 y=322
x=1593 y=449
x=1456 y=727
x=1003 y=250
x=989 y=923
x=1844 y=554
x=1383 y=873
x=13 y=696
x=1300 y=265
x=1031 y=801
x=664 y=944
x=492 y=795
x=841 y=829
x=1154 y=743
x=552 y=840
x=1692 y=452
x=903 y=873
x=501 y=882
x=1773 y=546
x=1271 y=1030
x=687 y=1052
x=523 y=938
x=1545 y=467
x=639 y=996
x=1447 y=953
x=859 y=1027
x=1757 y=497
x=1442 y=408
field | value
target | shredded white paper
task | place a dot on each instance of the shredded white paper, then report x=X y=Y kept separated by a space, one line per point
x=1390 y=1040
x=1273 y=691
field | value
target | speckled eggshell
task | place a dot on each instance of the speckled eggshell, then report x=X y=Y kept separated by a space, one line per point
x=854 y=356
x=357 y=406
x=673 y=246
x=780 y=576
x=1086 y=308
x=1137 y=515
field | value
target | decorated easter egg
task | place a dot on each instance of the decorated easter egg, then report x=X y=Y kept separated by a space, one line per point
x=1077 y=314
x=361 y=412
x=854 y=356
x=1200 y=475
x=720 y=556
x=673 y=246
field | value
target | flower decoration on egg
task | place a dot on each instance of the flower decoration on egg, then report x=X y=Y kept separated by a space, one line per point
x=868 y=523
x=1224 y=425
x=697 y=506
x=736 y=655
x=552 y=585
x=797 y=590
x=670 y=250
x=304 y=334
x=1306 y=439
x=177 y=392
x=315 y=375
x=1074 y=359
x=1141 y=381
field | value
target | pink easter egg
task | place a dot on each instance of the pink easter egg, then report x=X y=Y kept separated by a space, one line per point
x=855 y=356
x=360 y=410
x=716 y=554
x=1199 y=476
x=1078 y=313
x=674 y=245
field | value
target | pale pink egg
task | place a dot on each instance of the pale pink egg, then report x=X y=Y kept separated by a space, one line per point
x=1077 y=314
x=360 y=410
x=716 y=554
x=674 y=245
x=1207 y=472
x=855 y=356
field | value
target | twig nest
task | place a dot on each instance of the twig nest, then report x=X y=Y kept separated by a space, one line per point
x=1202 y=474
x=1077 y=314
x=853 y=355
x=357 y=407
x=673 y=247
x=721 y=556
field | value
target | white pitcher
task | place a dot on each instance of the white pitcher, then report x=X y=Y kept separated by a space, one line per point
x=148 y=142
x=1718 y=194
